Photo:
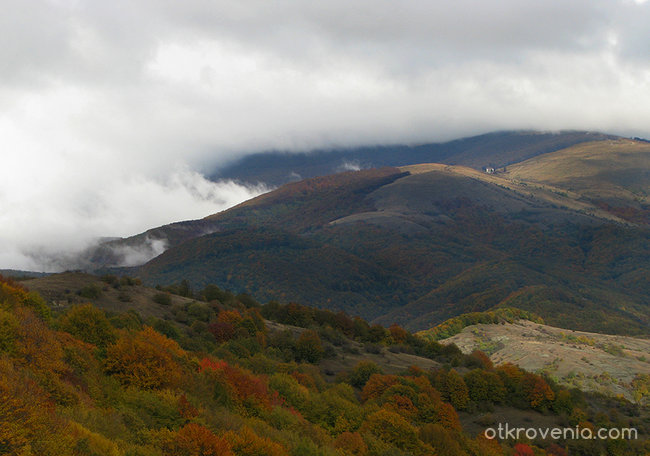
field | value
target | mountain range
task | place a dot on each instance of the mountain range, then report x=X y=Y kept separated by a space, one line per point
x=556 y=224
x=496 y=149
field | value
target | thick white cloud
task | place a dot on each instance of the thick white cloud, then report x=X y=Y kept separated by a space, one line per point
x=110 y=110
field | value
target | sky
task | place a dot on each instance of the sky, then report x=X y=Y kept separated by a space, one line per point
x=112 y=112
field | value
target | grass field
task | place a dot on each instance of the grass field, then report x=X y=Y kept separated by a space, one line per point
x=589 y=361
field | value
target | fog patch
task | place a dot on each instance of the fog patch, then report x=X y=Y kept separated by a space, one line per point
x=135 y=255
x=108 y=112
x=66 y=224
x=349 y=165
x=294 y=176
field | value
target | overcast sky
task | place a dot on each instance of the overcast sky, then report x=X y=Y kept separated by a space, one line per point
x=110 y=111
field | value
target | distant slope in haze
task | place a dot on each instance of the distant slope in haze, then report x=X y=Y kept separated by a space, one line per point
x=613 y=175
x=496 y=149
x=138 y=249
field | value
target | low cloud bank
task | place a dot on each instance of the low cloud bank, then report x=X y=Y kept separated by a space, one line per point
x=61 y=225
x=109 y=113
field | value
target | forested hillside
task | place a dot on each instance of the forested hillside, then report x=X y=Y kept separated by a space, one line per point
x=222 y=375
x=420 y=244
x=273 y=169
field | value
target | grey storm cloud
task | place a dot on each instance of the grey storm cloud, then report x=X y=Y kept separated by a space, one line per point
x=111 y=112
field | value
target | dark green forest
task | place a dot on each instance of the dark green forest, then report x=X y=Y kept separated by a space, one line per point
x=420 y=249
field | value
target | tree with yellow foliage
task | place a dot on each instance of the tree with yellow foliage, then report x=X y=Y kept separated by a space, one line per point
x=145 y=359
x=391 y=428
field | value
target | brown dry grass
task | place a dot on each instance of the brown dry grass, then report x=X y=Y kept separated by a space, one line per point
x=603 y=169
x=533 y=189
x=60 y=292
x=590 y=361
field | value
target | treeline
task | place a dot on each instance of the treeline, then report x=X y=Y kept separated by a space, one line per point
x=500 y=315
x=220 y=316
x=85 y=383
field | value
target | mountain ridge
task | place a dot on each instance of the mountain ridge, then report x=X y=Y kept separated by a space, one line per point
x=525 y=144
x=495 y=149
x=381 y=242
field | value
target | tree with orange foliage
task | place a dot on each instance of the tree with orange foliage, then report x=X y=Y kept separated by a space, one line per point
x=449 y=417
x=352 y=443
x=229 y=316
x=415 y=371
x=483 y=359
x=539 y=394
x=237 y=386
x=37 y=345
x=186 y=409
x=306 y=379
x=402 y=405
x=398 y=333
x=222 y=331
x=487 y=447
x=28 y=421
x=226 y=325
x=424 y=387
x=511 y=375
x=246 y=442
x=14 y=295
x=194 y=440
x=376 y=385
x=145 y=359
x=521 y=449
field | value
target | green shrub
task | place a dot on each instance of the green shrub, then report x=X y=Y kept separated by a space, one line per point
x=164 y=299
x=92 y=291
x=8 y=331
x=362 y=372
x=89 y=324
x=309 y=347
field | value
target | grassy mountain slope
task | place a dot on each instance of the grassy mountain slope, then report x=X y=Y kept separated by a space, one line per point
x=67 y=289
x=589 y=361
x=493 y=149
x=614 y=175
